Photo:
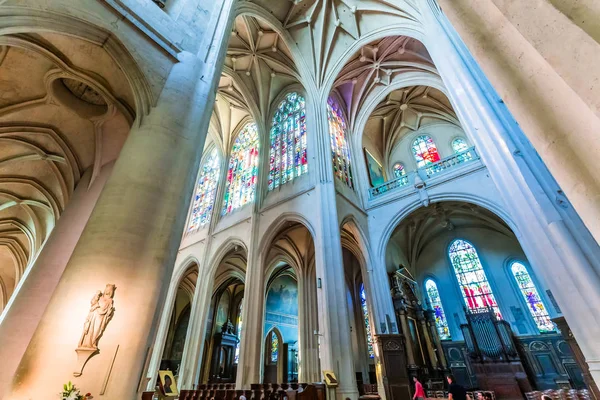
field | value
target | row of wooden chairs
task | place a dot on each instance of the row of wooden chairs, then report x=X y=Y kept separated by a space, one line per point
x=560 y=394
x=267 y=391
x=442 y=394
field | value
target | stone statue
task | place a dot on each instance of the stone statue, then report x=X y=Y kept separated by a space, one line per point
x=101 y=312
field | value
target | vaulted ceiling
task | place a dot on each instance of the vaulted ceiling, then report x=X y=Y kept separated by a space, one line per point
x=323 y=29
x=404 y=111
x=65 y=108
x=293 y=246
x=422 y=226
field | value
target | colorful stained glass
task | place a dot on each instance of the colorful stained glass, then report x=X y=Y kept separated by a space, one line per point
x=206 y=189
x=365 y=310
x=340 y=151
x=238 y=331
x=459 y=145
x=436 y=304
x=287 y=157
x=532 y=297
x=425 y=151
x=473 y=282
x=399 y=170
x=274 y=347
x=243 y=170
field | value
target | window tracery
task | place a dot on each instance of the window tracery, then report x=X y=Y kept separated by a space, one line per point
x=243 y=170
x=287 y=156
x=436 y=304
x=340 y=150
x=531 y=295
x=472 y=279
x=206 y=189
x=425 y=151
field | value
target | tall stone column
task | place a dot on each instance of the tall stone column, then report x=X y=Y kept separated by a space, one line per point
x=541 y=59
x=131 y=241
x=250 y=363
x=26 y=307
x=309 y=346
x=550 y=233
x=334 y=322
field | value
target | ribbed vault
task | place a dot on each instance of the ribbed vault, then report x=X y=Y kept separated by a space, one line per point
x=65 y=108
x=422 y=226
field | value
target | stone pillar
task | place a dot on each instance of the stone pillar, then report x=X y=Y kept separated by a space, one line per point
x=251 y=362
x=25 y=309
x=541 y=61
x=131 y=240
x=410 y=357
x=309 y=347
x=334 y=322
x=550 y=234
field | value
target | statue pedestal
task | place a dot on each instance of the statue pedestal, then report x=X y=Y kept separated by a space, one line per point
x=83 y=355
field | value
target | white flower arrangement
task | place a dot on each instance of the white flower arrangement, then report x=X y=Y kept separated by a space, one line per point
x=70 y=392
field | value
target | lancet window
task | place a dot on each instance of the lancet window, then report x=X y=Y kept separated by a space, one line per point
x=399 y=170
x=531 y=295
x=473 y=282
x=365 y=311
x=287 y=157
x=340 y=151
x=243 y=169
x=206 y=189
x=435 y=301
x=274 y=348
x=459 y=145
x=238 y=332
x=425 y=151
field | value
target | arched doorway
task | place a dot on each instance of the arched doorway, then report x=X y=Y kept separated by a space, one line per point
x=222 y=337
x=178 y=325
x=452 y=265
x=290 y=307
x=281 y=325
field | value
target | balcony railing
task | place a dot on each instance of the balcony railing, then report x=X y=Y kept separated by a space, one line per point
x=427 y=171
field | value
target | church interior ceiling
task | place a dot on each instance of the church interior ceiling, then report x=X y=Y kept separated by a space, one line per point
x=65 y=108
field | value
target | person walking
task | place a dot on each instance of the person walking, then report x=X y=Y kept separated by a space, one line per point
x=455 y=391
x=419 y=392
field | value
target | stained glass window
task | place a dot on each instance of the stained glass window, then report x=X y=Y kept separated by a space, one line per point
x=399 y=170
x=425 y=151
x=459 y=145
x=473 y=282
x=238 y=332
x=340 y=151
x=206 y=189
x=287 y=157
x=436 y=304
x=243 y=169
x=274 y=347
x=532 y=297
x=365 y=310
